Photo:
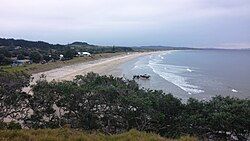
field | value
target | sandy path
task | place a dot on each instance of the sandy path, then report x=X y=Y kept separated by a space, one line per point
x=99 y=66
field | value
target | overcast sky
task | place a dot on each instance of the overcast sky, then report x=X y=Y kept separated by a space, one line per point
x=195 y=23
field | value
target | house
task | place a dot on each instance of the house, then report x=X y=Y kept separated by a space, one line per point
x=61 y=57
x=18 y=47
x=83 y=54
x=21 y=62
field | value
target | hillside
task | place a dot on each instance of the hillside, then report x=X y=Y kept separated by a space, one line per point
x=12 y=43
x=40 y=51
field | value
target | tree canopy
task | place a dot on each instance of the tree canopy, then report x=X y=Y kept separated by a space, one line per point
x=115 y=105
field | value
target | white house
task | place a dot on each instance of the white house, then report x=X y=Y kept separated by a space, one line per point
x=83 y=54
x=61 y=57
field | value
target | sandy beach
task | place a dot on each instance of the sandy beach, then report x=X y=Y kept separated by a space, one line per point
x=102 y=66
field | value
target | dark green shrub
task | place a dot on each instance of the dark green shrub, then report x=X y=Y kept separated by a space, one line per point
x=3 y=125
x=14 y=125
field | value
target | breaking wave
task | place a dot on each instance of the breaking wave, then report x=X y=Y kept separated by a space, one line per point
x=172 y=74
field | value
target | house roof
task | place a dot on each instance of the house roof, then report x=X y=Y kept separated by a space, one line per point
x=87 y=53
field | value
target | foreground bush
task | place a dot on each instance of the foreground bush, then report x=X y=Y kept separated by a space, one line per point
x=113 y=105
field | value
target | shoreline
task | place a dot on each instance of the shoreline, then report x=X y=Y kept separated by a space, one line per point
x=100 y=66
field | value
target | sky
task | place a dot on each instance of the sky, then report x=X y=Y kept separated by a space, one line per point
x=192 y=23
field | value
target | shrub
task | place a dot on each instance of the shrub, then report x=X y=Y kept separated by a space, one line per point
x=14 y=126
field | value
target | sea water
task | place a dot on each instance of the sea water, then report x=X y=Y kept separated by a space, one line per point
x=200 y=74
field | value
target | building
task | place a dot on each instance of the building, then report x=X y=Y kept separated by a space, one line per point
x=83 y=54
x=61 y=57
x=21 y=62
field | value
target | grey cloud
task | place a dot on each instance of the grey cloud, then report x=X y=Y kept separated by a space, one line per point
x=130 y=22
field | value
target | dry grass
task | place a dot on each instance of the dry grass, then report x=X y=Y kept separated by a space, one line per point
x=73 y=135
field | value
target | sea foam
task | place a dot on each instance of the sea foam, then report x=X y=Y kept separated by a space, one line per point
x=172 y=74
x=189 y=70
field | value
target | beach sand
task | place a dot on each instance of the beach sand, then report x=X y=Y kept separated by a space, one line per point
x=102 y=66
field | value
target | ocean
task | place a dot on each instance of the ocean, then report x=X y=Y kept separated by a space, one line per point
x=200 y=74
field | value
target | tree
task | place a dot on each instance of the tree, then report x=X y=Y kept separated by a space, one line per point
x=4 y=60
x=43 y=106
x=220 y=118
x=114 y=105
x=20 y=57
x=13 y=101
x=5 y=52
x=36 y=57
x=69 y=54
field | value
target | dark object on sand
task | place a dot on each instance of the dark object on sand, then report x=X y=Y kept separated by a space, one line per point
x=136 y=76
x=144 y=76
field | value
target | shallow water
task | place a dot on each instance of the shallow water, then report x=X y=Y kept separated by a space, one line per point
x=200 y=74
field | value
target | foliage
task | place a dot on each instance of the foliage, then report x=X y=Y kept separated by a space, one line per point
x=220 y=117
x=13 y=101
x=3 y=125
x=69 y=54
x=114 y=105
x=10 y=126
x=5 y=52
x=14 y=126
x=20 y=57
x=36 y=57
x=4 y=60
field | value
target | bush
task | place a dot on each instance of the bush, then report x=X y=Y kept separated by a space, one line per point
x=69 y=54
x=114 y=105
x=4 y=60
x=20 y=57
x=3 y=125
x=36 y=57
x=14 y=126
x=11 y=125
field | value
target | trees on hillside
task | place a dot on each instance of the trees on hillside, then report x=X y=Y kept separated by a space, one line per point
x=39 y=51
x=20 y=57
x=5 y=57
x=4 y=60
x=36 y=57
x=69 y=54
